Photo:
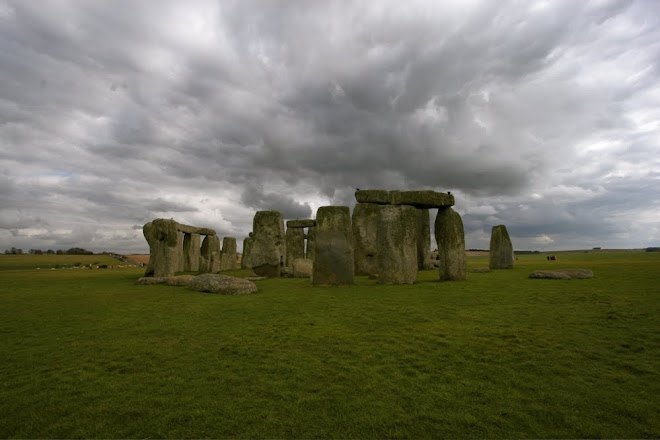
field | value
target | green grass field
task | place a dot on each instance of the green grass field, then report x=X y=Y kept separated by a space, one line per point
x=87 y=353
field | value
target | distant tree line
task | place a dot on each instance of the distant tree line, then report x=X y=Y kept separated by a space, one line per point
x=653 y=249
x=72 y=251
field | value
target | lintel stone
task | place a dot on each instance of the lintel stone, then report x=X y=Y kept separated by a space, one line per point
x=306 y=223
x=418 y=199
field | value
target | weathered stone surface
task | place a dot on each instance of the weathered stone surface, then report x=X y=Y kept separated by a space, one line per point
x=549 y=274
x=246 y=263
x=424 y=240
x=562 y=274
x=191 y=252
x=501 y=249
x=295 y=245
x=450 y=236
x=180 y=280
x=422 y=199
x=216 y=283
x=333 y=263
x=302 y=268
x=418 y=199
x=164 y=252
x=151 y=280
x=229 y=256
x=310 y=246
x=305 y=223
x=480 y=270
x=194 y=230
x=209 y=259
x=397 y=245
x=365 y=237
x=269 y=246
x=378 y=196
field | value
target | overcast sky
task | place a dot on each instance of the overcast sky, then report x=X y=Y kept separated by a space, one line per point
x=543 y=116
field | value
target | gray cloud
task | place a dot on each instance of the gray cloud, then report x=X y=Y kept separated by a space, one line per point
x=542 y=116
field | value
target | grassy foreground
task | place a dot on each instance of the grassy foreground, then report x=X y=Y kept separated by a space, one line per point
x=87 y=353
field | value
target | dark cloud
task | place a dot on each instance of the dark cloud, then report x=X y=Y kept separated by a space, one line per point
x=540 y=115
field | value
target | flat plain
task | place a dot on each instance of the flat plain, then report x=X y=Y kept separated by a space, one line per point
x=88 y=353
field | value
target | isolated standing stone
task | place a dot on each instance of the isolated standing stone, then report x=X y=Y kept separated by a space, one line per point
x=228 y=257
x=501 y=249
x=295 y=244
x=424 y=240
x=164 y=252
x=209 y=260
x=365 y=237
x=450 y=236
x=333 y=263
x=247 y=250
x=191 y=249
x=269 y=246
x=397 y=244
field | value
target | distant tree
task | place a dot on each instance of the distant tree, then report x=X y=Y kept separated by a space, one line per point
x=50 y=252
x=78 y=251
x=60 y=252
x=36 y=251
x=14 y=251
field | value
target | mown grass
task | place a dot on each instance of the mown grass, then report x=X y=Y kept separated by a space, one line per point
x=91 y=354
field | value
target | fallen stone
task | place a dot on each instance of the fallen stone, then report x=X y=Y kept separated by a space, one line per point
x=480 y=270
x=549 y=274
x=144 y=281
x=255 y=278
x=562 y=274
x=181 y=280
x=216 y=283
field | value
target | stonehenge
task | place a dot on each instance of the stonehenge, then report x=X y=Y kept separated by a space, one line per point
x=333 y=260
x=175 y=247
x=387 y=237
x=501 y=249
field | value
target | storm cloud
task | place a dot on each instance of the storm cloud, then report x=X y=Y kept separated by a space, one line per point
x=543 y=116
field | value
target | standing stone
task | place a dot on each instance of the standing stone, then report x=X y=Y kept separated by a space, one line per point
x=247 y=249
x=295 y=245
x=310 y=247
x=164 y=252
x=269 y=246
x=365 y=236
x=424 y=240
x=228 y=257
x=333 y=263
x=191 y=247
x=209 y=260
x=302 y=268
x=179 y=249
x=397 y=244
x=450 y=236
x=501 y=249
